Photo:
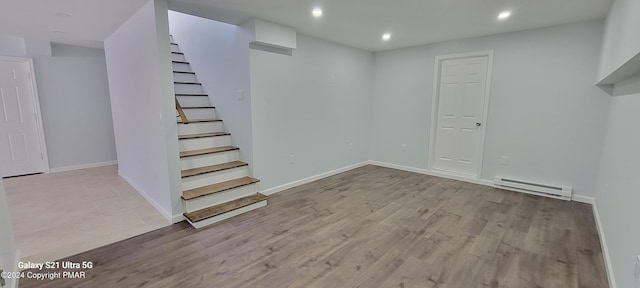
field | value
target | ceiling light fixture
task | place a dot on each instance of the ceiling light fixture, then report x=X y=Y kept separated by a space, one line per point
x=63 y=15
x=317 y=12
x=386 y=36
x=504 y=15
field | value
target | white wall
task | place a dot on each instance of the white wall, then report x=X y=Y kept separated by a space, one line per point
x=7 y=245
x=311 y=105
x=622 y=36
x=544 y=112
x=74 y=100
x=142 y=103
x=618 y=194
x=219 y=54
x=12 y=46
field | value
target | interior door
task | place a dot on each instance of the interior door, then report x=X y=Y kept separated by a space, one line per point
x=20 y=147
x=461 y=100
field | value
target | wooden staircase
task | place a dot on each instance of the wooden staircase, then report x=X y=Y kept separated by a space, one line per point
x=215 y=183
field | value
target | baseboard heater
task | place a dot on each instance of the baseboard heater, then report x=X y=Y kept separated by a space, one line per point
x=557 y=192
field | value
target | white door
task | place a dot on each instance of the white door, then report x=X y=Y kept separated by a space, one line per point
x=20 y=147
x=460 y=113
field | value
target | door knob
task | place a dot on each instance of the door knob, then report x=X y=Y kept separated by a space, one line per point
x=478 y=124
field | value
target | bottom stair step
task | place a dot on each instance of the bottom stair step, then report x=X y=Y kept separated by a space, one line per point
x=231 y=206
x=217 y=188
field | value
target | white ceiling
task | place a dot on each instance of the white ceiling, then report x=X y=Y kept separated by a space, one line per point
x=88 y=24
x=357 y=23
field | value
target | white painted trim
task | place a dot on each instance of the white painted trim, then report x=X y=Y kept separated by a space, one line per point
x=434 y=173
x=178 y=218
x=38 y=112
x=605 y=249
x=583 y=199
x=434 y=106
x=83 y=166
x=149 y=199
x=16 y=281
x=303 y=181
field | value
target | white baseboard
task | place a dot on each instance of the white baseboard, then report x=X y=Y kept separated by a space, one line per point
x=605 y=249
x=583 y=199
x=432 y=173
x=177 y=218
x=83 y=166
x=14 y=283
x=290 y=185
x=149 y=199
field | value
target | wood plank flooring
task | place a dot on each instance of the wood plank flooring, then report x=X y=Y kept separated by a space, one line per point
x=368 y=227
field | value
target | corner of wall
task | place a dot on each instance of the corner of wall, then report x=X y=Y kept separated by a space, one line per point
x=605 y=248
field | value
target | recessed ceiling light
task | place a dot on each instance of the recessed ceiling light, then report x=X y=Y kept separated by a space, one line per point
x=63 y=15
x=386 y=36
x=504 y=15
x=58 y=32
x=317 y=12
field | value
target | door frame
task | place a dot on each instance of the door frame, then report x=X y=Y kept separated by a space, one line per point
x=435 y=103
x=38 y=113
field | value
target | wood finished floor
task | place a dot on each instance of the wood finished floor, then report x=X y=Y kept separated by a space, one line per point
x=369 y=227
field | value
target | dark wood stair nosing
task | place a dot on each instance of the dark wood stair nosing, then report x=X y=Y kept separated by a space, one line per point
x=174 y=52
x=180 y=62
x=200 y=121
x=185 y=72
x=187 y=83
x=198 y=107
x=227 y=149
x=203 y=135
x=189 y=95
x=252 y=181
x=263 y=198
x=207 y=171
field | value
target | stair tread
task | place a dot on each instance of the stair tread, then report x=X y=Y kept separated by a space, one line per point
x=180 y=62
x=217 y=188
x=188 y=83
x=185 y=72
x=212 y=168
x=199 y=107
x=202 y=135
x=200 y=121
x=213 y=211
x=173 y=52
x=207 y=151
x=182 y=94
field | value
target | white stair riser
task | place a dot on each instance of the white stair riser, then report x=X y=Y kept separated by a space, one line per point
x=175 y=48
x=228 y=215
x=184 y=77
x=199 y=128
x=209 y=159
x=214 y=177
x=200 y=114
x=181 y=67
x=188 y=89
x=178 y=57
x=203 y=143
x=218 y=198
x=193 y=101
